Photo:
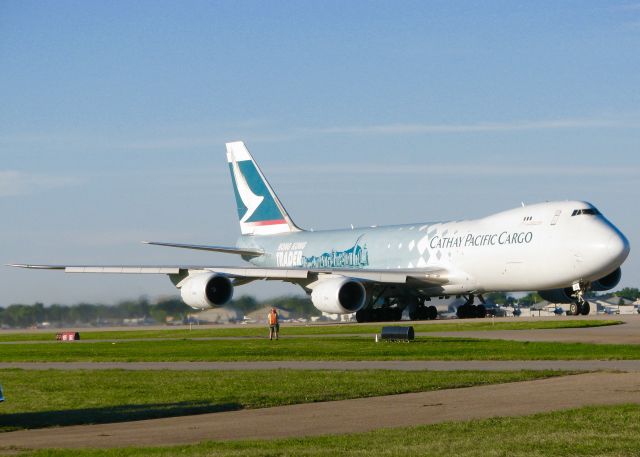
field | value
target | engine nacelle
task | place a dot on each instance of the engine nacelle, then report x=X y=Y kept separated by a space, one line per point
x=206 y=290
x=608 y=282
x=564 y=295
x=339 y=296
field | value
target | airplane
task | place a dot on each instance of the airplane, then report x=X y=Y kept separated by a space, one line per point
x=563 y=249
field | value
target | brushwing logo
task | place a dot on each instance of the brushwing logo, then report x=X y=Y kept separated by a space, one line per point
x=250 y=200
x=258 y=211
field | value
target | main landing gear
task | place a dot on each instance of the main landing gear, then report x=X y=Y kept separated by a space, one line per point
x=379 y=315
x=469 y=310
x=423 y=313
x=393 y=307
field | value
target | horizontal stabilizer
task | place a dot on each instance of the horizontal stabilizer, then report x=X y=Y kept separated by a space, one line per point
x=248 y=252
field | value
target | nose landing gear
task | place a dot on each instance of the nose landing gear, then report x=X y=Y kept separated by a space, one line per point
x=581 y=306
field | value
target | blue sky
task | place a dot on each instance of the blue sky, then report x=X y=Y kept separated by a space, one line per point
x=114 y=115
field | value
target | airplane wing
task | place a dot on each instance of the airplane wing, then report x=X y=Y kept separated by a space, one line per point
x=247 y=252
x=417 y=276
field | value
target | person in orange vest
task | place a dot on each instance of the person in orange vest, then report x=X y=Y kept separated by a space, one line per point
x=274 y=326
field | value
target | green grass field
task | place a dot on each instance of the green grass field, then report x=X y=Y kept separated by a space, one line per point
x=55 y=398
x=334 y=348
x=593 y=431
x=341 y=329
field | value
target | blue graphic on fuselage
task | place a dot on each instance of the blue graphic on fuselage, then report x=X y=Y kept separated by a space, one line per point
x=268 y=210
x=354 y=257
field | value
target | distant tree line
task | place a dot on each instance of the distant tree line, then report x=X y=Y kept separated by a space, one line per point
x=630 y=293
x=24 y=316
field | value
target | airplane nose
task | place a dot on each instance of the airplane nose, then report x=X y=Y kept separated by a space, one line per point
x=618 y=247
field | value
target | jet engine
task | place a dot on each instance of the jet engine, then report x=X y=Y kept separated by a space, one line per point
x=206 y=290
x=608 y=282
x=565 y=295
x=339 y=295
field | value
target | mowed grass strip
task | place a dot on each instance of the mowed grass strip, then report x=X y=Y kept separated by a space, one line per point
x=591 y=431
x=53 y=398
x=319 y=329
x=336 y=348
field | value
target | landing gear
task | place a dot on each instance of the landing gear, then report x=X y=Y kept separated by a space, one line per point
x=421 y=313
x=469 y=310
x=577 y=308
x=580 y=306
x=574 y=309
x=379 y=315
x=585 y=308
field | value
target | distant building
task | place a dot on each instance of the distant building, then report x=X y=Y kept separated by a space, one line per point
x=613 y=304
x=545 y=308
x=224 y=315
x=260 y=315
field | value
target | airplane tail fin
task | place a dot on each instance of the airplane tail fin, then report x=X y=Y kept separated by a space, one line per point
x=259 y=209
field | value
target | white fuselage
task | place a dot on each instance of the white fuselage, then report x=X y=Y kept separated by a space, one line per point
x=535 y=247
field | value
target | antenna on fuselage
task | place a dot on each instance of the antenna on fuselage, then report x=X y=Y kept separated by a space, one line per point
x=522 y=203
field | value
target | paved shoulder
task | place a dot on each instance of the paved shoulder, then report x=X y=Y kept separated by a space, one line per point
x=346 y=416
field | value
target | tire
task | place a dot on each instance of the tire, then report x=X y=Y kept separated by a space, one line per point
x=363 y=316
x=481 y=311
x=395 y=314
x=463 y=311
x=574 y=309
x=585 y=308
x=432 y=312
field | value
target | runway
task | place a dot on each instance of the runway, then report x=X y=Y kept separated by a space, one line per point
x=348 y=416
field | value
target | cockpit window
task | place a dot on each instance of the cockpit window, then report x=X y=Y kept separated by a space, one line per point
x=589 y=211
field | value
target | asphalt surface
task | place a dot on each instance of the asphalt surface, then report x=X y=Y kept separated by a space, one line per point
x=626 y=333
x=348 y=416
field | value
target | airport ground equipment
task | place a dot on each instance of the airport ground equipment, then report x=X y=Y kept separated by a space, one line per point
x=67 y=336
x=395 y=333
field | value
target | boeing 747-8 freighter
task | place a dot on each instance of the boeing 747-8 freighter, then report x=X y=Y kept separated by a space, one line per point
x=561 y=249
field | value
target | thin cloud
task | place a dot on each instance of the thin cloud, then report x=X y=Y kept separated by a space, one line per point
x=469 y=169
x=259 y=133
x=557 y=124
x=15 y=183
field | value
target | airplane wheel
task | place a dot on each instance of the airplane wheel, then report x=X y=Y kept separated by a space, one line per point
x=432 y=312
x=481 y=311
x=574 y=309
x=585 y=308
x=395 y=314
x=363 y=316
x=463 y=311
